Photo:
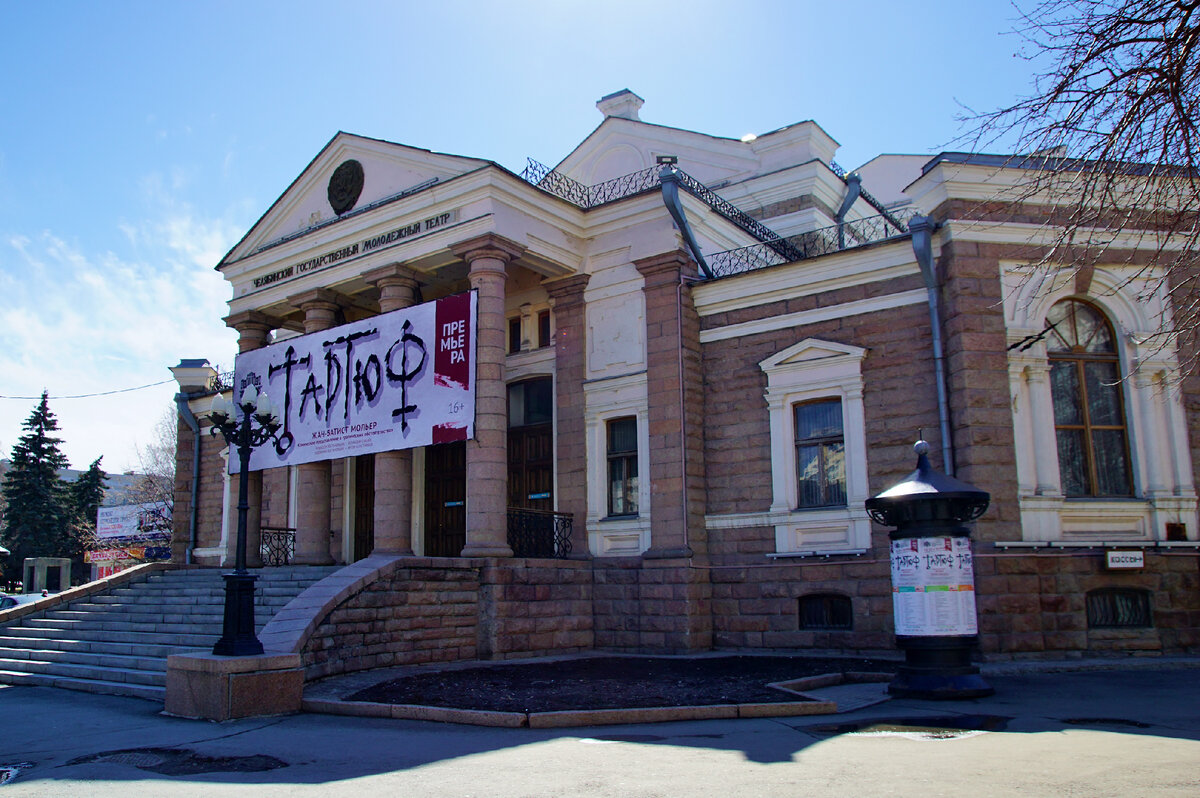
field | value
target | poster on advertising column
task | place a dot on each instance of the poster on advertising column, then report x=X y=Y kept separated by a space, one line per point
x=394 y=381
x=933 y=586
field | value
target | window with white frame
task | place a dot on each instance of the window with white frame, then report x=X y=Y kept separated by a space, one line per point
x=622 y=466
x=1098 y=418
x=820 y=453
x=818 y=448
x=1089 y=410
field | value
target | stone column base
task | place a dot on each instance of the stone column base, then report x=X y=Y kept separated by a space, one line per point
x=223 y=688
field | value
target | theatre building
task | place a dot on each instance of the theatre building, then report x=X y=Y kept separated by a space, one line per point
x=636 y=402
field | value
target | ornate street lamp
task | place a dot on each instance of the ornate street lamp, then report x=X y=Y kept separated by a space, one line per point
x=237 y=637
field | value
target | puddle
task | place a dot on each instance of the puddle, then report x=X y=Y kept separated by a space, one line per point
x=9 y=772
x=623 y=738
x=951 y=727
x=181 y=761
x=1137 y=724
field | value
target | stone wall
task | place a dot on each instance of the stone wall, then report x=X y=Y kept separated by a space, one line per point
x=1034 y=605
x=899 y=401
x=210 y=495
x=531 y=608
x=418 y=613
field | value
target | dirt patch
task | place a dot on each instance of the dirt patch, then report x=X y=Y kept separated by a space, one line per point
x=611 y=683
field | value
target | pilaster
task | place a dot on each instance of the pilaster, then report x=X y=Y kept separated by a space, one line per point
x=570 y=352
x=674 y=399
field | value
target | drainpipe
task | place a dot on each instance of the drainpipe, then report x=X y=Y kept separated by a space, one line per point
x=922 y=228
x=181 y=401
x=853 y=189
x=670 y=191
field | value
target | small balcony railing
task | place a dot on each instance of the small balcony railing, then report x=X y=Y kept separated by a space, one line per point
x=276 y=545
x=539 y=533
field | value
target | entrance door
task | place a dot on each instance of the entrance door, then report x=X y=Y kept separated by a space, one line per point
x=445 y=499
x=531 y=467
x=364 y=506
x=531 y=444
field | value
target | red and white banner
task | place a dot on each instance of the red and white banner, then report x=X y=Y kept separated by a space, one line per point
x=394 y=381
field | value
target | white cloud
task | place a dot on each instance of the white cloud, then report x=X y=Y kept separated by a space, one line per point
x=77 y=322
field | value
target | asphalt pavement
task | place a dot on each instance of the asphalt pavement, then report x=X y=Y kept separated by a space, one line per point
x=1133 y=730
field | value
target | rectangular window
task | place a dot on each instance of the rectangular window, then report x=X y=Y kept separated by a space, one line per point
x=820 y=454
x=622 y=466
x=544 y=328
x=514 y=335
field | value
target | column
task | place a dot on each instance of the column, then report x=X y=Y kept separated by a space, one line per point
x=487 y=455
x=393 y=470
x=254 y=332
x=674 y=396
x=570 y=353
x=1045 y=443
x=312 y=479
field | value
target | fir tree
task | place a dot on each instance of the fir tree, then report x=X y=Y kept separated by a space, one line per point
x=38 y=507
x=87 y=492
x=86 y=495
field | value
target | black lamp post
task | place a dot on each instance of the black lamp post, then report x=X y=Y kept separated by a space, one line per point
x=933 y=581
x=237 y=636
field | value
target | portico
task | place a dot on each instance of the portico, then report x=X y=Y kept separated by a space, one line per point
x=457 y=229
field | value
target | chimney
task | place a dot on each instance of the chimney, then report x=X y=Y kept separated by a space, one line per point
x=622 y=104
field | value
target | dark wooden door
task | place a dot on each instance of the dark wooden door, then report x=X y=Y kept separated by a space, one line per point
x=531 y=467
x=364 y=505
x=445 y=499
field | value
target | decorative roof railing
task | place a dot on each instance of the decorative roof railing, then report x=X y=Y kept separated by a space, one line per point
x=773 y=249
x=870 y=200
x=812 y=244
x=637 y=182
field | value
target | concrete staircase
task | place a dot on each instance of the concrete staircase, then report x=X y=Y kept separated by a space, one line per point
x=118 y=642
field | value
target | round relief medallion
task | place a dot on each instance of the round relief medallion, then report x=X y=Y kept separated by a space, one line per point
x=345 y=186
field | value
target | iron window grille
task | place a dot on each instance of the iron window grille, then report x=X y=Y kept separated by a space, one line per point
x=1118 y=607
x=826 y=611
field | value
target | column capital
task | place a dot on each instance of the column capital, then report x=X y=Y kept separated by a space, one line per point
x=565 y=291
x=317 y=297
x=391 y=274
x=488 y=245
x=665 y=268
x=253 y=328
x=251 y=319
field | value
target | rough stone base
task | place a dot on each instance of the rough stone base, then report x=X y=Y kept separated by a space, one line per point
x=223 y=688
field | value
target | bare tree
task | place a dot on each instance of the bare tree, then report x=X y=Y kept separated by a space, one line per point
x=156 y=462
x=1111 y=123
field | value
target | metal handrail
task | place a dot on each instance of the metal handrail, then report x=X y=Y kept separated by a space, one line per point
x=814 y=243
x=276 y=544
x=539 y=533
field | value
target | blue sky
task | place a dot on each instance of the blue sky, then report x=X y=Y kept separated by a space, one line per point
x=140 y=140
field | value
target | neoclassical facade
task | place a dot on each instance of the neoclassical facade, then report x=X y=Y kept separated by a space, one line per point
x=696 y=358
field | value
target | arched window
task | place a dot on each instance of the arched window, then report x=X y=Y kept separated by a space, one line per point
x=1089 y=413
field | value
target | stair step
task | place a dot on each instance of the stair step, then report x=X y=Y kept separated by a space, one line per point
x=118 y=642
x=146 y=649
x=93 y=672
x=115 y=661
x=151 y=692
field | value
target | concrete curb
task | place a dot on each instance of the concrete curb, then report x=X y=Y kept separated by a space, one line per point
x=568 y=718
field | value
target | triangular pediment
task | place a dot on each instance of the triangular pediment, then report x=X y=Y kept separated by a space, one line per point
x=620 y=147
x=812 y=352
x=388 y=170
